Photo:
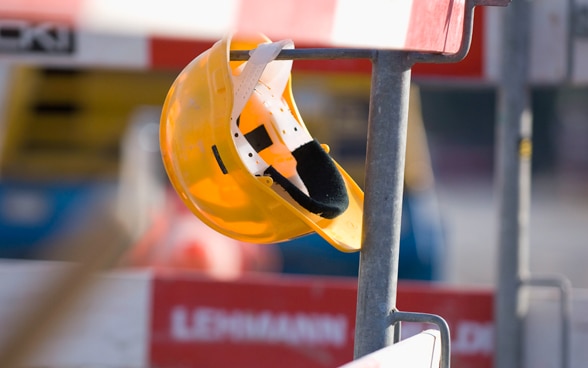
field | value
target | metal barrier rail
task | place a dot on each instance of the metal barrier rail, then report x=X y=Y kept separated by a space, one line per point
x=564 y=286
x=397 y=316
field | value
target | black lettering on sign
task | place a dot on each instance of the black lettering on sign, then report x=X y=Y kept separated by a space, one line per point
x=21 y=36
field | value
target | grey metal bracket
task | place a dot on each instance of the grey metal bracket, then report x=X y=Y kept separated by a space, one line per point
x=396 y=317
x=563 y=284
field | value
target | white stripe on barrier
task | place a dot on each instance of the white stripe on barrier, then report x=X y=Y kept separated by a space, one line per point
x=386 y=23
x=179 y=18
x=91 y=49
x=106 y=326
x=420 y=351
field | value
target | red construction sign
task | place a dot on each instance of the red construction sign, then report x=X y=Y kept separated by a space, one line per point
x=295 y=322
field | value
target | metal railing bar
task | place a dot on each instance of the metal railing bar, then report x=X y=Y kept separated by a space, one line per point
x=311 y=54
x=565 y=291
x=397 y=316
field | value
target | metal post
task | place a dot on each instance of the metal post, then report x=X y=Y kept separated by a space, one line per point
x=513 y=175
x=386 y=146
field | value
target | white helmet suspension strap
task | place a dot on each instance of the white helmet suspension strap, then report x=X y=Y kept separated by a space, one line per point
x=267 y=80
x=245 y=82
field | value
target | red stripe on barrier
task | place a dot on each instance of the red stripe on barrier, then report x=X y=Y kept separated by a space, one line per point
x=63 y=11
x=175 y=54
x=300 y=20
x=472 y=67
x=170 y=53
x=436 y=25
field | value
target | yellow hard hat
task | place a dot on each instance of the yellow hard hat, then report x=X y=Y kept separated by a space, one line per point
x=239 y=155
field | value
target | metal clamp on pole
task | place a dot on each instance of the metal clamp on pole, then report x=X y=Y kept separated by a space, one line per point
x=396 y=317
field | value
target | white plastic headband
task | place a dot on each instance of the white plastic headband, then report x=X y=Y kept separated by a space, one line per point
x=260 y=76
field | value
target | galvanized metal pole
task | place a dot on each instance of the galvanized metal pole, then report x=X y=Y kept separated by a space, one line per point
x=513 y=183
x=386 y=147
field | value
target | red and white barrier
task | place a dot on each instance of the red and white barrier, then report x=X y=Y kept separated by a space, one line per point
x=422 y=25
x=168 y=34
x=139 y=318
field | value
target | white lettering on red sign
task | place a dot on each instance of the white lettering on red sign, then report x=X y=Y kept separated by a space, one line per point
x=473 y=337
x=468 y=337
x=207 y=324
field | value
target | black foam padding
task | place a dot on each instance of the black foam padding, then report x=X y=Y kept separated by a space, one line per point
x=259 y=138
x=327 y=193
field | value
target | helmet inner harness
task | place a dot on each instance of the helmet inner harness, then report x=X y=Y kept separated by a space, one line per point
x=273 y=143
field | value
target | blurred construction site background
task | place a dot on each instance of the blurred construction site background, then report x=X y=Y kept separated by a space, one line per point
x=81 y=144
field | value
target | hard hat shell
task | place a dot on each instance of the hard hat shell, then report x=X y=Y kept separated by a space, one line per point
x=208 y=171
